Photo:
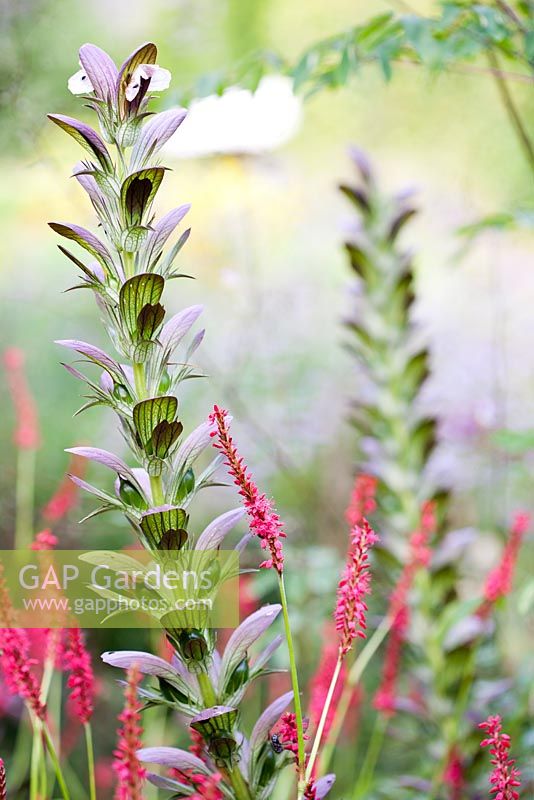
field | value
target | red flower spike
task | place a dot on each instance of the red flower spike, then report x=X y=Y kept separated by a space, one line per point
x=26 y=435
x=126 y=764
x=504 y=779
x=362 y=500
x=399 y=612
x=263 y=519
x=353 y=587
x=81 y=680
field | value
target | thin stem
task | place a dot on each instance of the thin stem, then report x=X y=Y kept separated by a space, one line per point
x=512 y=111
x=371 y=757
x=90 y=759
x=55 y=763
x=129 y=264
x=206 y=688
x=352 y=681
x=324 y=715
x=35 y=760
x=24 y=495
x=295 y=685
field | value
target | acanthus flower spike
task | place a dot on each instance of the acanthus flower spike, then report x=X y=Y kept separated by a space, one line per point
x=264 y=521
x=504 y=779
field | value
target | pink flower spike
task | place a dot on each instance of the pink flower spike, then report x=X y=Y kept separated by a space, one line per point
x=353 y=587
x=44 y=540
x=14 y=659
x=399 y=612
x=66 y=495
x=499 y=580
x=362 y=500
x=81 y=680
x=288 y=735
x=263 y=519
x=130 y=773
x=26 y=435
x=504 y=779
x=3 y=786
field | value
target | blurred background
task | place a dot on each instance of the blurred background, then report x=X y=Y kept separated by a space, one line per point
x=268 y=224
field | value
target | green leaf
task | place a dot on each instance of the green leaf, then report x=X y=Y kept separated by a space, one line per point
x=138 y=192
x=149 y=413
x=135 y=294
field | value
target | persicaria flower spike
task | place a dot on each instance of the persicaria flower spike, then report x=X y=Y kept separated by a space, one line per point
x=353 y=587
x=288 y=735
x=81 y=681
x=399 y=612
x=499 y=581
x=15 y=661
x=362 y=501
x=263 y=519
x=504 y=779
x=127 y=766
x=64 y=499
x=26 y=434
x=3 y=785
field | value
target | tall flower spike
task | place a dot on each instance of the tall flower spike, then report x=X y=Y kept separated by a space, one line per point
x=264 y=521
x=399 y=612
x=26 y=434
x=64 y=498
x=14 y=659
x=3 y=785
x=499 y=581
x=353 y=587
x=362 y=501
x=130 y=773
x=504 y=779
x=81 y=682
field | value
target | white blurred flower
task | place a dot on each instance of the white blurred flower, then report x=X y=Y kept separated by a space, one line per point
x=79 y=83
x=159 y=79
x=239 y=121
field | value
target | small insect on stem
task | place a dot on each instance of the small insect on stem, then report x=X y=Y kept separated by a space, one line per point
x=276 y=744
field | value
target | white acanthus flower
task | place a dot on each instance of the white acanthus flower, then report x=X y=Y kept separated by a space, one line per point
x=159 y=79
x=79 y=83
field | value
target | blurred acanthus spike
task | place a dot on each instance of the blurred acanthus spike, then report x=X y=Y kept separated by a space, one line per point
x=396 y=439
x=239 y=122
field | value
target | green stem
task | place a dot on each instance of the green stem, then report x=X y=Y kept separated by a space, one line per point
x=241 y=789
x=140 y=380
x=35 y=761
x=90 y=759
x=156 y=484
x=129 y=264
x=324 y=715
x=353 y=679
x=295 y=685
x=371 y=757
x=24 y=496
x=55 y=763
x=206 y=688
